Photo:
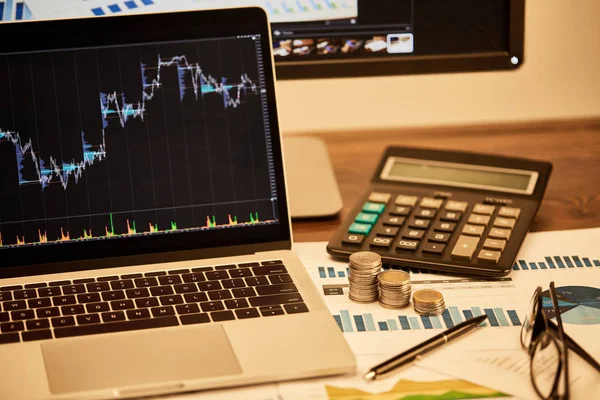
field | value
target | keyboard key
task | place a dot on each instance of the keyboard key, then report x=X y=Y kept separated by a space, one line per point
x=162 y=290
x=439 y=237
x=271 y=262
x=49 y=291
x=353 y=240
x=116 y=316
x=186 y=288
x=509 y=212
x=222 y=316
x=414 y=234
x=269 y=270
x=219 y=295
x=14 y=305
x=64 y=300
x=137 y=293
x=377 y=197
x=145 y=282
x=187 y=309
x=428 y=202
x=121 y=285
x=475 y=219
x=122 y=305
x=388 y=231
x=10 y=338
x=376 y=208
x=257 y=281
x=247 y=313
x=394 y=221
x=4 y=317
x=73 y=310
x=37 y=335
x=217 y=275
x=451 y=216
x=272 y=313
x=147 y=302
x=116 y=327
x=249 y=265
x=106 y=279
x=426 y=213
x=434 y=248
x=276 y=289
x=212 y=306
x=407 y=245
x=497 y=233
x=489 y=256
x=366 y=218
x=88 y=298
x=40 y=302
x=459 y=206
x=138 y=314
x=97 y=287
x=221 y=267
x=113 y=295
x=406 y=200
x=400 y=211
x=494 y=244
x=233 y=283
x=483 y=209
x=381 y=242
x=240 y=273
x=202 y=269
x=473 y=230
x=507 y=223
x=243 y=292
x=194 y=319
x=12 y=287
x=37 y=324
x=73 y=289
x=61 y=283
x=295 y=308
x=131 y=276
x=195 y=297
x=276 y=299
x=63 y=321
x=419 y=223
x=236 y=303
x=444 y=227
x=84 y=280
x=25 y=294
x=465 y=247
x=360 y=229
x=5 y=296
x=48 y=312
x=270 y=308
x=171 y=300
x=194 y=277
x=169 y=280
x=155 y=273
x=22 y=315
x=179 y=272
x=211 y=285
x=8 y=327
x=35 y=285
x=277 y=279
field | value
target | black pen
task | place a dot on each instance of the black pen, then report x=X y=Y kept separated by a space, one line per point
x=420 y=350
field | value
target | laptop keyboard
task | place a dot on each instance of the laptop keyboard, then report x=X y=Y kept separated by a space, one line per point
x=159 y=299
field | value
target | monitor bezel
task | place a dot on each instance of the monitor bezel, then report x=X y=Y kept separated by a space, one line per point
x=96 y=32
x=412 y=65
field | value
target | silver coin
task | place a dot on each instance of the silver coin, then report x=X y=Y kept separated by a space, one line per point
x=394 y=278
x=365 y=259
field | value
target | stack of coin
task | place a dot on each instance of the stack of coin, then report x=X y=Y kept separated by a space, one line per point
x=364 y=267
x=394 y=289
x=429 y=302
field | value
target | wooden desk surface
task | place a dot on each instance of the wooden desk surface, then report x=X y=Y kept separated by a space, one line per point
x=572 y=199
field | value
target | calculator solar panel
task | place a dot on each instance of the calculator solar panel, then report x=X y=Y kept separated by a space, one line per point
x=455 y=212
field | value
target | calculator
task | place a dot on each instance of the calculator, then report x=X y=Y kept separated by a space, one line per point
x=448 y=211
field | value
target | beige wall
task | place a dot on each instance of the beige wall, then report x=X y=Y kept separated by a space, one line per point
x=560 y=79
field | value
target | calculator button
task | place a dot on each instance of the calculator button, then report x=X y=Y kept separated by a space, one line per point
x=475 y=219
x=406 y=200
x=394 y=221
x=407 y=245
x=373 y=207
x=366 y=218
x=384 y=242
x=353 y=239
x=388 y=231
x=473 y=230
x=497 y=233
x=465 y=247
x=428 y=202
x=419 y=223
x=483 y=209
x=377 y=197
x=402 y=211
x=507 y=223
x=459 y=206
x=360 y=229
x=509 y=212
x=494 y=244
x=434 y=248
x=439 y=237
x=488 y=256
x=415 y=234
x=444 y=227
x=451 y=216
x=425 y=213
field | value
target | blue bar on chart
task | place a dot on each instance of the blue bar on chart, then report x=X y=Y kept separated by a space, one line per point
x=392 y=324
x=426 y=322
x=360 y=323
x=532 y=265
x=568 y=262
x=339 y=322
x=550 y=263
x=491 y=317
x=436 y=322
x=383 y=326
x=404 y=323
x=597 y=263
x=477 y=312
x=455 y=315
x=341 y=274
x=501 y=318
x=559 y=262
x=414 y=323
x=346 y=322
x=543 y=265
x=515 y=267
x=578 y=262
x=1 y=11
x=8 y=10
x=331 y=272
x=468 y=314
x=523 y=265
x=322 y=273
x=587 y=262
x=514 y=318
x=447 y=319
x=370 y=322
x=131 y=4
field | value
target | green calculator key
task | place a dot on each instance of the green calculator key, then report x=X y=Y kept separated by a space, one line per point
x=373 y=207
x=360 y=229
x=367 y=218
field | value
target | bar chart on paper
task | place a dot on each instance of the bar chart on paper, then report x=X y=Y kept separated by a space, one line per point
x=11 y=10
x=557 y=262
x=44 y=9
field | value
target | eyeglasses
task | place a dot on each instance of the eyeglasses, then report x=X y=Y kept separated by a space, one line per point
x=548 y=345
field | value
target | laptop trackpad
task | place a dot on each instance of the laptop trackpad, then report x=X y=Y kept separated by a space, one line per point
x=138 y=358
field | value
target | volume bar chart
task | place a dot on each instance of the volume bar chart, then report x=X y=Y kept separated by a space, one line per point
x=556 y=262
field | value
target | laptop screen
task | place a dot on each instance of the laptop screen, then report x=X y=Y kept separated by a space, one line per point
x=128 y=148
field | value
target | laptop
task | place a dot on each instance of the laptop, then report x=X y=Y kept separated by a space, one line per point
x=145 y=232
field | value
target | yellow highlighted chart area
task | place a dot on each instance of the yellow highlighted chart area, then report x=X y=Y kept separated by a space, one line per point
x=413 y=390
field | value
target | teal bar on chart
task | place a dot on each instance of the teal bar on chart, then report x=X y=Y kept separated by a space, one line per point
x=414 y=322
x=339 y=322
x=392 y=324
x=437 y=324
x=370 y=322
x=455 y=315
x=501 y=318
x=346 y=322
x=322 y=272
x=477 y=312
x=383 y=326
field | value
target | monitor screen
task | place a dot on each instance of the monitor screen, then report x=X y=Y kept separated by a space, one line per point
x=328 y=38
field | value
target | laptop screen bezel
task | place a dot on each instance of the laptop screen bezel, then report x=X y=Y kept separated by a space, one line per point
x=137 y=29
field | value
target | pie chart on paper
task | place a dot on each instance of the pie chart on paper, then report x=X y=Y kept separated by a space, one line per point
x=578 y=305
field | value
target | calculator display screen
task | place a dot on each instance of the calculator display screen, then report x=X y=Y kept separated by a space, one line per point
x=462 y=175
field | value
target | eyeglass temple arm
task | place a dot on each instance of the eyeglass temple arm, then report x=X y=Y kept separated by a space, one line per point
x=576 y=348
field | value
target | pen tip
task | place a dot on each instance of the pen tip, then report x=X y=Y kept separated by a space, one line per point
x=370 y=376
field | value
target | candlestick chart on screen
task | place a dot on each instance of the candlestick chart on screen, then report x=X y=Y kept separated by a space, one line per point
x=144 y=139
